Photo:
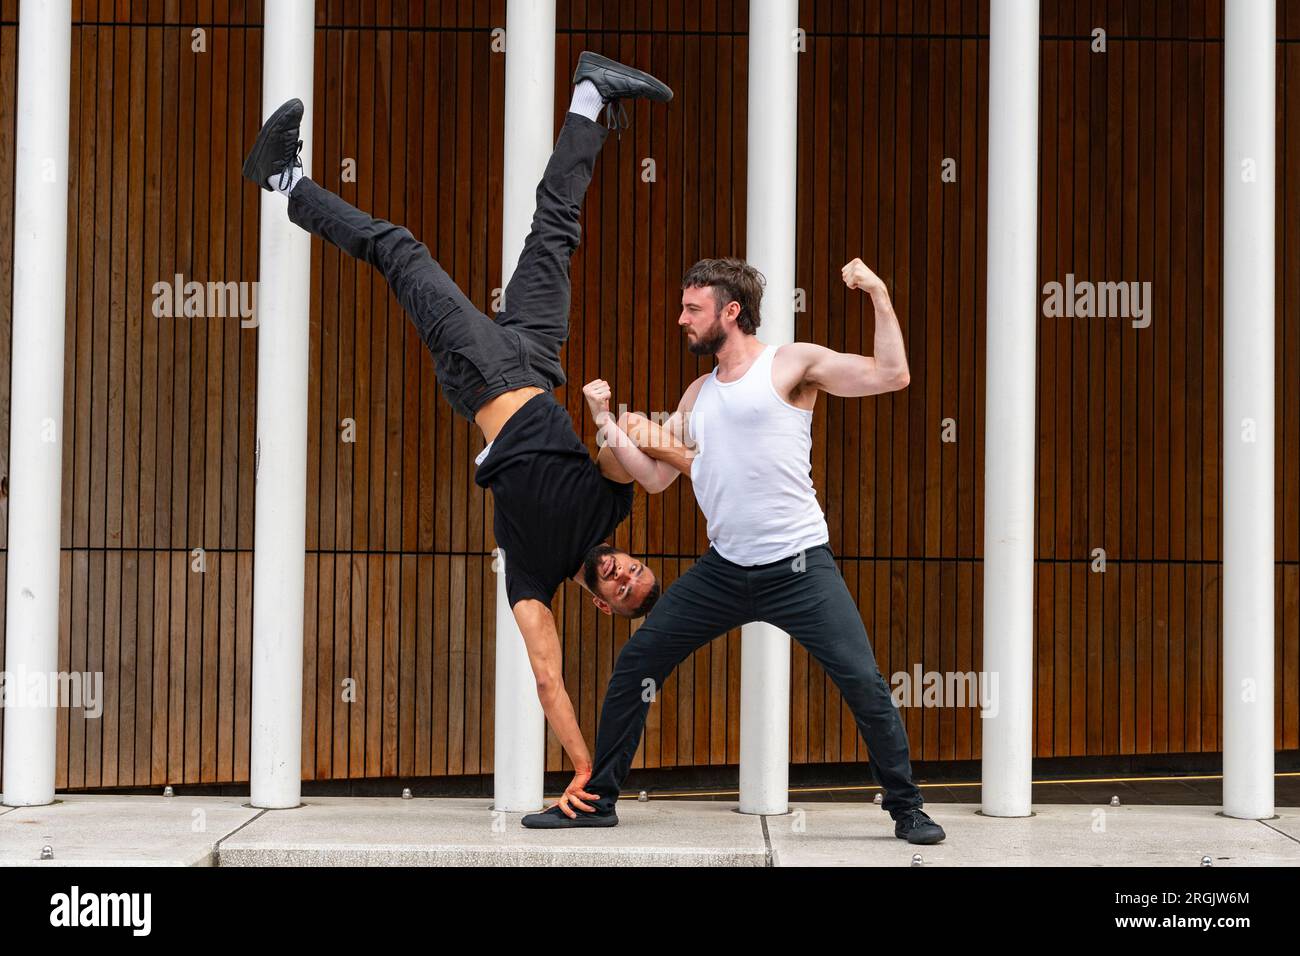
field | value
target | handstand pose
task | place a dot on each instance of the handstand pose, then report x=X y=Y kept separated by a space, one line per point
x=554 y=506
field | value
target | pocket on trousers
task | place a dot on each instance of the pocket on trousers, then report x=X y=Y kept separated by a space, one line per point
x=461 y=367
x=470 y=342
x=521 y=348
x=438 y=322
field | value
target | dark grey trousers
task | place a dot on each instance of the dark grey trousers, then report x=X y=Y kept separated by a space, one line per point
x=808 y=599
x=476 y=358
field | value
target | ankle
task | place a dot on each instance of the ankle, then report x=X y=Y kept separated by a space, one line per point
x=286 y=179
x=587 y=100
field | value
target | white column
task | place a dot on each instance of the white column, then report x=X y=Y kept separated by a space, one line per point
x=36 y=399
x=1250 y=84
x=1012 y=324
x=769 y=247
x=279 y=543
x=520 y=733
x=519 y=744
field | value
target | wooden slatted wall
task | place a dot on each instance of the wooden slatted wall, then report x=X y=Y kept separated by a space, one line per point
x=160 y=413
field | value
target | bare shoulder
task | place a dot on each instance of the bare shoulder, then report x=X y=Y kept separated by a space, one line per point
x=691 y=393
x=790 y=368
x=795 y=356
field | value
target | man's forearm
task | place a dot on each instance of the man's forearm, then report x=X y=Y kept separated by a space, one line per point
x=559 y=714
x=888 y=349
x=654 y=476
x=542 y=640
x=660 y=442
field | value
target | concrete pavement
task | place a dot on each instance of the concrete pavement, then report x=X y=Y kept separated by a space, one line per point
x=90 y=830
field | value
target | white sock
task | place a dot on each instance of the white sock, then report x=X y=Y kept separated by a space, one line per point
x=586 y=100
x=284 y=184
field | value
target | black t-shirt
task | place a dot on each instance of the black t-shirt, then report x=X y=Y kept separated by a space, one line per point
x=552 y=503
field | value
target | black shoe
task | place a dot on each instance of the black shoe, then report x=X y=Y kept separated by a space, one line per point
x=277 y=145
x=617 y=81
x=555 y=819
x=915 y=826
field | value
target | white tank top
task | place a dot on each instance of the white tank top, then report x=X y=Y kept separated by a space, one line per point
x=753 y=468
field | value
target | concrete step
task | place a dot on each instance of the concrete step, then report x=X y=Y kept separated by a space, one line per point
x=343 y=831
x=92 y=830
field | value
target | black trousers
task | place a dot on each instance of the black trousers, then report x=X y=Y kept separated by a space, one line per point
x=804 y=595
x=476 y=358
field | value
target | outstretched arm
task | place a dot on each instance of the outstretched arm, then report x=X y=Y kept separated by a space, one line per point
x=537 y=624
x=856 y=376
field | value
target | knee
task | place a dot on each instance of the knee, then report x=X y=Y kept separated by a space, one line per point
x=400 y=236
x=398 y=249
x=639 y=666
x=866 y=682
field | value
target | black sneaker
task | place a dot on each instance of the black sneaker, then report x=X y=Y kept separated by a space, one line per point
x=915 y=826
x=555 y=819
x=277 y=145
x=618 y=81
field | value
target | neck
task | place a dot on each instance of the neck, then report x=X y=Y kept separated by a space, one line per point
x=738 y=351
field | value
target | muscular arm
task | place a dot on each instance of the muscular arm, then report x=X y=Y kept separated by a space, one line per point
x=856 y=376
x=621 y=456
x=537 y=625
x=635 y=448
x=661 y=442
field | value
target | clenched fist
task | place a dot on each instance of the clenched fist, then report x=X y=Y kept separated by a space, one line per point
x=856 y=275
x=597 y=394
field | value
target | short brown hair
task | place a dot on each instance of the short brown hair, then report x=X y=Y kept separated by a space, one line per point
x=732 y=280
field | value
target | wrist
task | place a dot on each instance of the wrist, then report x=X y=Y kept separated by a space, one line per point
x=613 y=434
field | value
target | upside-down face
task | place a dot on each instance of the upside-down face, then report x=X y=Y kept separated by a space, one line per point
x=619 y=582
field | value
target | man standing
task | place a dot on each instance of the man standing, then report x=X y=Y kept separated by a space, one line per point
x=769 y=560
x=554 y=505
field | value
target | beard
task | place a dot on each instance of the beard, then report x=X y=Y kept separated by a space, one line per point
x=591 y=565
x=709 y=341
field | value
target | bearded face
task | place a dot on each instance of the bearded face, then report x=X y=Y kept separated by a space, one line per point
x=701 y=321
x=708 y=340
